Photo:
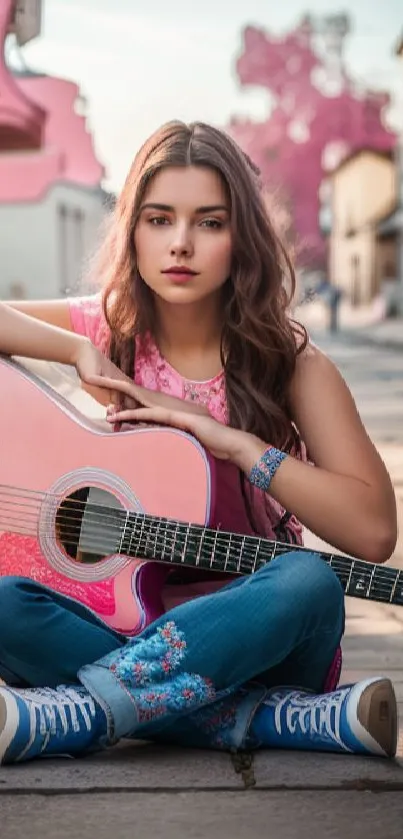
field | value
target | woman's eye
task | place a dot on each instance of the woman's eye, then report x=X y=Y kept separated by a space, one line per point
x=158 y=220
x=212 y=222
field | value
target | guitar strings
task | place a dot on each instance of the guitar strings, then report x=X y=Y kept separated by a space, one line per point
x=218 y=538
x=177 y=556
x=179 y=559
x=382 y=592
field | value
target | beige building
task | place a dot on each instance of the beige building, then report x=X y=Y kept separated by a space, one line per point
x=362 y=255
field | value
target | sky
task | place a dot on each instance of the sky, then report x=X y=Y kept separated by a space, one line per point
x=140 y=64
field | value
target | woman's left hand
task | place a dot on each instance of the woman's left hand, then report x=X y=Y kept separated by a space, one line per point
x=222 y=441
x=129 y=395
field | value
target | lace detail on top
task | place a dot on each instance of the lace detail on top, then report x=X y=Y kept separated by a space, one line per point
x=154 y=372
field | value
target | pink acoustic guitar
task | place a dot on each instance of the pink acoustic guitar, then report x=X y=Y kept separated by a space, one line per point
x=104 y=518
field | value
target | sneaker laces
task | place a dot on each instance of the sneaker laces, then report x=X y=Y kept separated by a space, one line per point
x=309 y=714
x=52 y=709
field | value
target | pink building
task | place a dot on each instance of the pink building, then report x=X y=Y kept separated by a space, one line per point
x=51 y=198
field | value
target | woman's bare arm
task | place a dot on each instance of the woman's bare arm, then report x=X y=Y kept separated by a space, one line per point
x=347 y=499
x=21 y=334
x=55 y=312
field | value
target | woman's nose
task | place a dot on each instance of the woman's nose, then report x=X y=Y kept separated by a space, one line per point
x=181 y=243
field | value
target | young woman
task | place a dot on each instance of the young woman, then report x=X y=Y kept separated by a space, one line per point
x=194 y=308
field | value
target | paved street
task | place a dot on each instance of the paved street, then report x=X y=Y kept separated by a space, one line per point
x=172 y=793
x=375 y=376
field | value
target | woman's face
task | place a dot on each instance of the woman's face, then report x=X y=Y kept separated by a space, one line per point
x=183 y=234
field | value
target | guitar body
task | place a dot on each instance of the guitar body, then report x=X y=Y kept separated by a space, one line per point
x=105 y=518
x=49 y=453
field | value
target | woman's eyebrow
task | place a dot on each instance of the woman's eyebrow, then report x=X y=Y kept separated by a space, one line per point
x=152 y=206
x=212 y=208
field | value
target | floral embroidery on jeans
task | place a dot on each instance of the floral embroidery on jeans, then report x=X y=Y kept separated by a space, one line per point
x=148 y=669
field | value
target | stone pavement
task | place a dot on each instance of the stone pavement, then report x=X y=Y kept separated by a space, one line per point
x=303 y=813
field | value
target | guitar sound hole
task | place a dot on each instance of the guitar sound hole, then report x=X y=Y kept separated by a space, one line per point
x=88 y=525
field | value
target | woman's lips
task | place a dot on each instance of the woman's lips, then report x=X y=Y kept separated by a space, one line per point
x=180 y=276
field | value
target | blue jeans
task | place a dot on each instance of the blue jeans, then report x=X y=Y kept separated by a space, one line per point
x=197 y=674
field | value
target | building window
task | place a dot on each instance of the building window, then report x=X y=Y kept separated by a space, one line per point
x=71 y=247
x=349 y=227
x=17 y=291
x=62 y=230
x=355 y=280
x=78 y=240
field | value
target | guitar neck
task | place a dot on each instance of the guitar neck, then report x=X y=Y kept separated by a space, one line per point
x=195 y=546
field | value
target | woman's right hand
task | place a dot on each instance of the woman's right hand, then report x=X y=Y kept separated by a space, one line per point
x=93 y=366
x=106 y=383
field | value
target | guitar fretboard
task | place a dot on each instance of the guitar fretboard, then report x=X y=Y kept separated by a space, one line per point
x=178 y=543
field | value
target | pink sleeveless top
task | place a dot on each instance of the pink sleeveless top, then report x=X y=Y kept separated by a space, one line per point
x=154 y=372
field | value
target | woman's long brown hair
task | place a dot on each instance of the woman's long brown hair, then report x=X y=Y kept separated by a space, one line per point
x=259 y=342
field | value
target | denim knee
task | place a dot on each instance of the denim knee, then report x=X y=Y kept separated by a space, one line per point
x=312 y=585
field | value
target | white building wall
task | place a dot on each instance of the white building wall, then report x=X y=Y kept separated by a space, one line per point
x=43 y=246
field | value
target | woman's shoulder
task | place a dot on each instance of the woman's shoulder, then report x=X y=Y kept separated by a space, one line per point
x=308 y=354
x=315 y=380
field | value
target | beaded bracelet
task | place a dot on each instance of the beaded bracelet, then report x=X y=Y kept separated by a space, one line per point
x=266 y=467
